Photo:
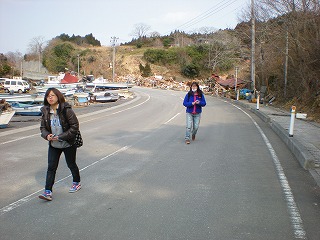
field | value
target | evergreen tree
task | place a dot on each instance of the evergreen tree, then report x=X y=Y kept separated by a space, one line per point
x=147 y=70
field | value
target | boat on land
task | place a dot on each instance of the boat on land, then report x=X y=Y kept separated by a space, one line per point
x=63 y=88
x=5 y=118
x=26 y=109
x=103 y=84
x=104 y=96
x=64 y=82
x=17 y=97
x=6 y=113
x=109 y=86
x=23 y=98
x=81 y=98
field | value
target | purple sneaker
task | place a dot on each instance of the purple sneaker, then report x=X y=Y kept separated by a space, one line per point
x=76 y=186
x=47 y=195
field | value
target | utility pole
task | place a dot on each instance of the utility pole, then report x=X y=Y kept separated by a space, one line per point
x=236 y=81
x=113 y=44
x=286 y=62
x=285 y=70
x=21 y=67
x=253 y=45
x=39 y=58
x=78 y=65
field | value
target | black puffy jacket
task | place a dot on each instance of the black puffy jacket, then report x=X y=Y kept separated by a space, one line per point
x=68 y=120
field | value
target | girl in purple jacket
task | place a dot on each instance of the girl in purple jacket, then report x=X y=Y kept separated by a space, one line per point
x=193 y=101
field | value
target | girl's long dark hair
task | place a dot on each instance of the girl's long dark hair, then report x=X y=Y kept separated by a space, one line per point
x=190 y=93
x=57 y=93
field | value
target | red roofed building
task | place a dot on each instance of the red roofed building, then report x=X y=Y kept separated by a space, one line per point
x=68 y=78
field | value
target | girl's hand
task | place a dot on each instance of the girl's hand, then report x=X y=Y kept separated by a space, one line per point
x=52 y=137
x=55 y=138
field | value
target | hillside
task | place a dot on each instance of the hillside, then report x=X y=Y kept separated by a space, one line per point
x=127 y=63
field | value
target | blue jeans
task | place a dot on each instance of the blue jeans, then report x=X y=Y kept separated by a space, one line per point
x=193 y=121
x=53 y=162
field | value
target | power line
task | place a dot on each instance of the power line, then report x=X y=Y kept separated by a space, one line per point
x=204 y=13
x=213 y=10
x=210 y=14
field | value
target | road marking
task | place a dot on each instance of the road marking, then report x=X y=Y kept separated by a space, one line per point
x=172 y=118
x=91 y=119
x=80 y=117
x=21 y=138
x=26 y=199
x=295 y=217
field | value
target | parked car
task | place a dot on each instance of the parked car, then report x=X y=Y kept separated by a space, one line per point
x=16 y=85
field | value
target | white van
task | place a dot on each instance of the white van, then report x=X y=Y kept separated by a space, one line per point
x=16 y=85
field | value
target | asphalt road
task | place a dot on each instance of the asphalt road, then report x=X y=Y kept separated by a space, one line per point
x=141 y=181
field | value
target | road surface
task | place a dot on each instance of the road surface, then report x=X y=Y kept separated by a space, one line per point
x=140 y=181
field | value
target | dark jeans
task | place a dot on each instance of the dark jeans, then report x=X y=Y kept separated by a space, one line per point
x=53 y=161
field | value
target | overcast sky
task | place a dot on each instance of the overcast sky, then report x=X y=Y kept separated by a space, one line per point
x=23 y=20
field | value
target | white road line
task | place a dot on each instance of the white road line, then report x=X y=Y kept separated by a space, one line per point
x=172 y=118
x=26 y=199
x=21 y=138
x=80 y=117
x=91 y=119
x=295 y=217
x=18 y=130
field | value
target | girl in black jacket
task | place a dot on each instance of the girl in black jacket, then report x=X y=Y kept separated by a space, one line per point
x=59 y=126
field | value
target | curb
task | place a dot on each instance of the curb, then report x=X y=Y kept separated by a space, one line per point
x=303 y=156
x=305 y=159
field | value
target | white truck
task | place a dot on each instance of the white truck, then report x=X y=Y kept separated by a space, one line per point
x=16 y=85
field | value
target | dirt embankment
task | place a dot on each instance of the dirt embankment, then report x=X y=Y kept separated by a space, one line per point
x=127 y=60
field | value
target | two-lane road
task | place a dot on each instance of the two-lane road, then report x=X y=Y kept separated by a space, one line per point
x=141 y=181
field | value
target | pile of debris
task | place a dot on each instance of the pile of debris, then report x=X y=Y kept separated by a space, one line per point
x=160 y=82
x=4 y=106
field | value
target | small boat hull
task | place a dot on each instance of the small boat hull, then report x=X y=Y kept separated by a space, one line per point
x=106 y=96
x=17 y=97
x=81 y=98
x=5 y=118
x=26 y=109
x=109 y=86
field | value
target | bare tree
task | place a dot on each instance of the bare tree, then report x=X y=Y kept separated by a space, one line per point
x=140 y=30
x=222 y=47
x=288 y=36
x=15 y=59
x=154 y=35
x=36 y=47
x=207 y=30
